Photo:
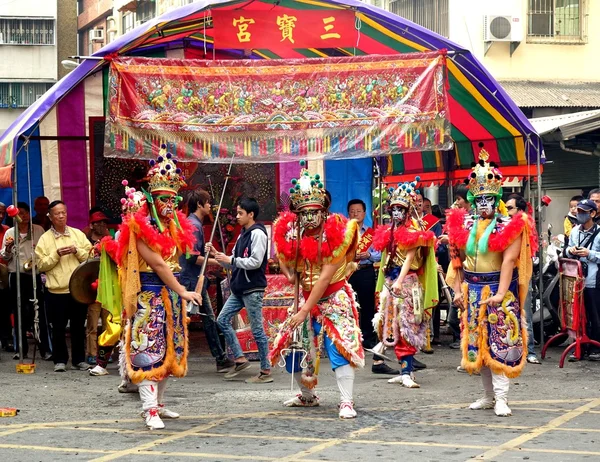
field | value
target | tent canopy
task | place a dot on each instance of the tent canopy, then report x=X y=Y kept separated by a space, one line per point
x=481 y=112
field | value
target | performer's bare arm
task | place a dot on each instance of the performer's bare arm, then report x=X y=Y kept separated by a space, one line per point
x=289 y=273
x=410 y=256
x=509 y=259
x=327 y=272
x=163 y=271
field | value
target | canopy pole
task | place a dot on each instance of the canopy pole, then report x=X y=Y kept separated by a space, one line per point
x=17 y=238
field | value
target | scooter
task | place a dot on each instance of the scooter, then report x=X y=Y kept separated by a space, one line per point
x=551 y=296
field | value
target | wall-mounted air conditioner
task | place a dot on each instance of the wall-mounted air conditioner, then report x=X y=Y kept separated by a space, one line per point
x=502 y=29
x=97 y=35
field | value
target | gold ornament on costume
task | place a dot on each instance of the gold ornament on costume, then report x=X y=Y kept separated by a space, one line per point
x=486 y=178
x=405 y=195
x=307 y=191
x=164 y=175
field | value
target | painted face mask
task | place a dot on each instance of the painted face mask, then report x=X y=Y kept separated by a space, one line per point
x=398 y=214
x=485 y=206
x=311 y=218
x=165 y=205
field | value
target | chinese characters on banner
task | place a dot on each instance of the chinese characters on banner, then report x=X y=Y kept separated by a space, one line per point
x=278 y=110
x=247 y=29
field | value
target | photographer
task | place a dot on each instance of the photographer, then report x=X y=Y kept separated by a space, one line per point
x=584 y=245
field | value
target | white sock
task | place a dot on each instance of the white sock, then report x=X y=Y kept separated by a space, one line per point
x=148 y=394
x=162 y=386
x=486 y=379
x=501 y=384
x=345 y=381
x=306 y=392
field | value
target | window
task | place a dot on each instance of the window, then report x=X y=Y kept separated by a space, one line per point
x=432 y=14
x=128 y=22
x=26 y=31
x=146 y=10
x=21 y=94
x=562 y=21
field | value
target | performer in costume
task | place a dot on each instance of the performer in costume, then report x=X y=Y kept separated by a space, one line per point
x=407 y=282
x=328 y=313
x=150 y=243
x=490 y=271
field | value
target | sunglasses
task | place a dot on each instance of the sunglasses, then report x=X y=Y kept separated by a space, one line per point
x=510 y=207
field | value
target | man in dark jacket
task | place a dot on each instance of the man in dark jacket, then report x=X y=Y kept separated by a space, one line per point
x=248 y=283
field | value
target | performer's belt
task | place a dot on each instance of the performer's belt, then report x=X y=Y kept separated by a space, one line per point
x=333 y=288
x=486 y=278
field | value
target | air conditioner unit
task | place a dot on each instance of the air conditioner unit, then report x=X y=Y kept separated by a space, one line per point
x=502 y=29
x=97 y=35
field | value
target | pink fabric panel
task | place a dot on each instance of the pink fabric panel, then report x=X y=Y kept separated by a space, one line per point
x=72 y=157
x=287 y=171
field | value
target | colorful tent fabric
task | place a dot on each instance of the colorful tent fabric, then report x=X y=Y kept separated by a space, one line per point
x=480 y=110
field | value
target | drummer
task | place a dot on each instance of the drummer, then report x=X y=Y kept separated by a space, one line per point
x=60 y=250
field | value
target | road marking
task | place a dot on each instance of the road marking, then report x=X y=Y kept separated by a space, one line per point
x=364 y=431
x=553 y=424
x=166 y=439
x=513 y=403
x=12 y=431
x=54 y=448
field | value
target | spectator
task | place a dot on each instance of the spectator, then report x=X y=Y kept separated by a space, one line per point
x=248 y=284
x=40 y=206
x=514 y=205
x=363 y=281
x=198 y=206
x=571 y=218
x=584 y=245
x=59 y=251
x=5 y=322
x=96 y=232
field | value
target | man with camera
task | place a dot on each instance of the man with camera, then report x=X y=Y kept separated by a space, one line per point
x=584 y=245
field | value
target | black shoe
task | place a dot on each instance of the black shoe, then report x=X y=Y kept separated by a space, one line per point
x=383 y=368
x=418 y=364
x=591 y=357
x=225 y=365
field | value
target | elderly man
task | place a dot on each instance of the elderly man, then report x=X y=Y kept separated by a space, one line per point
x=59 y=251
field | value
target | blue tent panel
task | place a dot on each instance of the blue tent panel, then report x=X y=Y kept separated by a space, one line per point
x=349 y=179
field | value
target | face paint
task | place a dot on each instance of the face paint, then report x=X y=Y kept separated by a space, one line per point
x=485 y=206
x=311 y=218
x=398 y=214
x=165 y=205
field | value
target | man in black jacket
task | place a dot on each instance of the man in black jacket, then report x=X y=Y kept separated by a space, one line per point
x=248 y=283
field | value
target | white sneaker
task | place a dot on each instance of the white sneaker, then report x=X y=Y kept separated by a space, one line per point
x=153 y=421
x=98 y=371
x=302 y=401
x=501 y=408
x=347 y=410
x=164 y=413
x=405 y=380
x=487 y=402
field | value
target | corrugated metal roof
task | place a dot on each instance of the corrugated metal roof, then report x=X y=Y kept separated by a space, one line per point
x=528 y=93
x=577 y=120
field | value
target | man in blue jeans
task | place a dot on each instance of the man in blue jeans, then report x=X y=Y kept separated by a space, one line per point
x=198 y=204
x=248 y=283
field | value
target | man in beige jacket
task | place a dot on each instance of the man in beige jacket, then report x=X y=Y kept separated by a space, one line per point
x=59 y=251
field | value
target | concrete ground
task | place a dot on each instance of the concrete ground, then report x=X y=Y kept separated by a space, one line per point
x=72 y=416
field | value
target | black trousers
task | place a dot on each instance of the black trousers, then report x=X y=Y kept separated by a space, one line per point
x=591 y=298
x=27 y=310
x=6 y=336
x=62 y=309
x=363 y=281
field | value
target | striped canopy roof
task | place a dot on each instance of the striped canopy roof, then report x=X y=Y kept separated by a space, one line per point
x=480 y=110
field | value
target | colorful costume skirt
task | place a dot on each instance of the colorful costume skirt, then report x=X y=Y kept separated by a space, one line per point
x=495 y=337
x=335 y=317
x=156 y=335
x=400 y=319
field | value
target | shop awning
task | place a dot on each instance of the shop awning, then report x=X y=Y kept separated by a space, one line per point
x=566 y=126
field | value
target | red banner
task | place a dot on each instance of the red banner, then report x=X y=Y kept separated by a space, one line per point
x=279 y=110
x=250 y=29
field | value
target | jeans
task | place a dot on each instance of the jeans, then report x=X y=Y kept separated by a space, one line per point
x=208 y=321
x=253 y=304
x=529 y=318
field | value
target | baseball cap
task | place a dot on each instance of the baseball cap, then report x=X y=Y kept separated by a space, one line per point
x=98 y=216
x=587 y=205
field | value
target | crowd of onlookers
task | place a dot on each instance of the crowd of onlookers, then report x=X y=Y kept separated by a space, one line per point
x=58 y=249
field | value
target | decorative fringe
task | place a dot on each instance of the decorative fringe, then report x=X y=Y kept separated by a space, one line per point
x=471 y=367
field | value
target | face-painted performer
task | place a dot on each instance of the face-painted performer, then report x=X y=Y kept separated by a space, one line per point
x=152 y=237
x=328 y=313
x=490 y=273
x=407 y=282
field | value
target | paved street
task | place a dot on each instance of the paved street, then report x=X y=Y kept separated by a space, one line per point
x=73 y=416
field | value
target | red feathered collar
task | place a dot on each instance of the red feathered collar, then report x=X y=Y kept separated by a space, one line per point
x=459 y=224
x=163 y=243
x=284 y=236
x=404 y=238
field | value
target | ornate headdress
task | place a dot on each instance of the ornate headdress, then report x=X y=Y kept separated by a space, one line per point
x=307 y=191
x=485 y=179
x=405 y=195
x=164 y=175
x=133 y=200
